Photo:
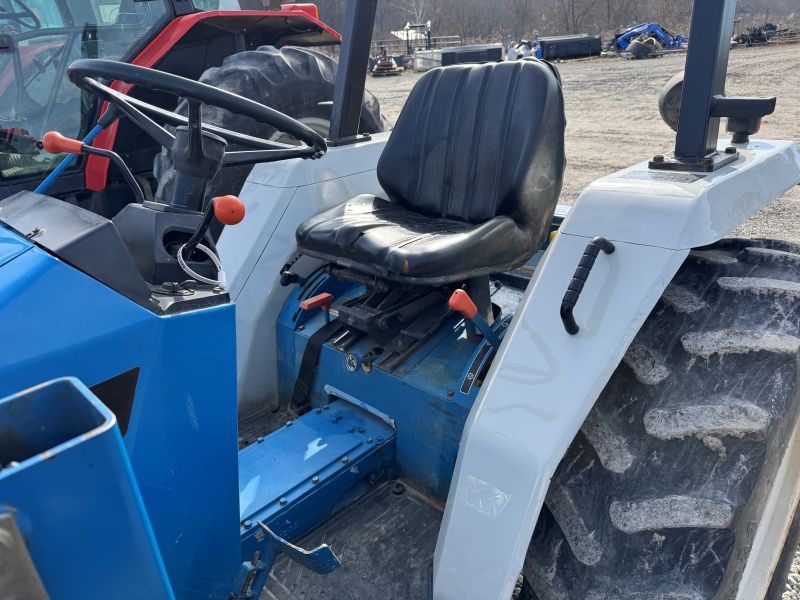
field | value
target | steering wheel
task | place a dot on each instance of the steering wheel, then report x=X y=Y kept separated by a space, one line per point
x=26 y=13
x=198 y=150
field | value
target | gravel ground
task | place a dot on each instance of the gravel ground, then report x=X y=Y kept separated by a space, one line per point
x=613 y=122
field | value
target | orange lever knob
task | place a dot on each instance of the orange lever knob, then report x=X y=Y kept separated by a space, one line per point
x=322 y=301
x=55 y=143
x=229 y=210
x=461 y=302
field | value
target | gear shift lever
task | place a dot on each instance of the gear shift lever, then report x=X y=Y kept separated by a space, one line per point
x=228 y=210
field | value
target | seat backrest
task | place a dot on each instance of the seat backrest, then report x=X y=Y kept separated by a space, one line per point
x=477 y=141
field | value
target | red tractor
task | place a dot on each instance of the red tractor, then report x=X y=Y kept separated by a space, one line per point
x=260 y=51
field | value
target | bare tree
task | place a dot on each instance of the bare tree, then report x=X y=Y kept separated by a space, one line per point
x=672 y=13
x=619 y=14
x=574 y=12
x=465 y=16
x=415 y=9
x=521 y=13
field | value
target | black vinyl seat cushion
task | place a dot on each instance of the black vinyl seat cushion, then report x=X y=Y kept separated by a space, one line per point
x=472 y=173
x=377 y=236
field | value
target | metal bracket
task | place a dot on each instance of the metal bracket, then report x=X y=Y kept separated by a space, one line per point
x=182 y=7
x=320 y=560
x=248 y=584
x=707 y=164
x=348 y=140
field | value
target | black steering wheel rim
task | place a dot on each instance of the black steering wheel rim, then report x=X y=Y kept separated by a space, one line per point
x=26 y=13
x=92 y=68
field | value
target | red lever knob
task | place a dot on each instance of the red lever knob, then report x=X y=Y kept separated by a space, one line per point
x=55 y=143
x=229 y=210
x=461 y=302
x=322 y=301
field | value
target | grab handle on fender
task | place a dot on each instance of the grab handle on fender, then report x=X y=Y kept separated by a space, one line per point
x=579 y=279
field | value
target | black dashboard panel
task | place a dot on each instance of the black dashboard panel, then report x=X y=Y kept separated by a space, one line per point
x=87 y=241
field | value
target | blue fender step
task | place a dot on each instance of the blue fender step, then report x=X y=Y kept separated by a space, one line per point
x=295 y=478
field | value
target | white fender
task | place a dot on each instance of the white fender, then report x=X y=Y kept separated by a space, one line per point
x=544 y=381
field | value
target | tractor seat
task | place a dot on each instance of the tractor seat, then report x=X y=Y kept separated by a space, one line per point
x=472 y=172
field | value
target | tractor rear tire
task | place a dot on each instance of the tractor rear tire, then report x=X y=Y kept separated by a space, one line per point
x=661 y=493
x=639 y=49
x=294 y=81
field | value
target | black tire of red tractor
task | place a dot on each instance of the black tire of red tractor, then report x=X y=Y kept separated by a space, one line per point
x=661 y=492
x=294 y=81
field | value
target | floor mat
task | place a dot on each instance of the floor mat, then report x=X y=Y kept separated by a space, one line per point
x=261 y=426
x=385 y=542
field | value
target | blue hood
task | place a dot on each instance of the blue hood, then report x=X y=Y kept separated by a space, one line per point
x=11 y=245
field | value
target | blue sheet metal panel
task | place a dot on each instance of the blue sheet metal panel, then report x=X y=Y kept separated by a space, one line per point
x=309 y=505
x=185 y=450
x=429 y=418
x=58 y=322
x=291 y=456
x=338 y=445
x=441 y=370
x=428 y=426
x=429 y=423
x=182 y=435
x=11 y=245
x=74 y=496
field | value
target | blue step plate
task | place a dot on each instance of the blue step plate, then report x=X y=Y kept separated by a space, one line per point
x=296 y=477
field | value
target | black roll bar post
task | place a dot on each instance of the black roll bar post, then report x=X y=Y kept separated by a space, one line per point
x=352 y=74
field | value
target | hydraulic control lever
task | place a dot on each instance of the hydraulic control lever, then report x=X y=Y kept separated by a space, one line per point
x=461 y=302
x=322 y=301
x=106 y=119
x=55 y=143
x=288 y=278
x=228 y=210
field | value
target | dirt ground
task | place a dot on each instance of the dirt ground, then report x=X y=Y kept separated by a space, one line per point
x=613 y=120
x=613 y=123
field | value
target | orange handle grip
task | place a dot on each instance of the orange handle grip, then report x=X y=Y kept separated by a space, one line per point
x=55 y=143
x=322 y=301
x=229 y=210
x=461 y=302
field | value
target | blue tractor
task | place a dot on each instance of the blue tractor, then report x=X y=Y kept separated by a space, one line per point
x=399 y=369
x=644 y=39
